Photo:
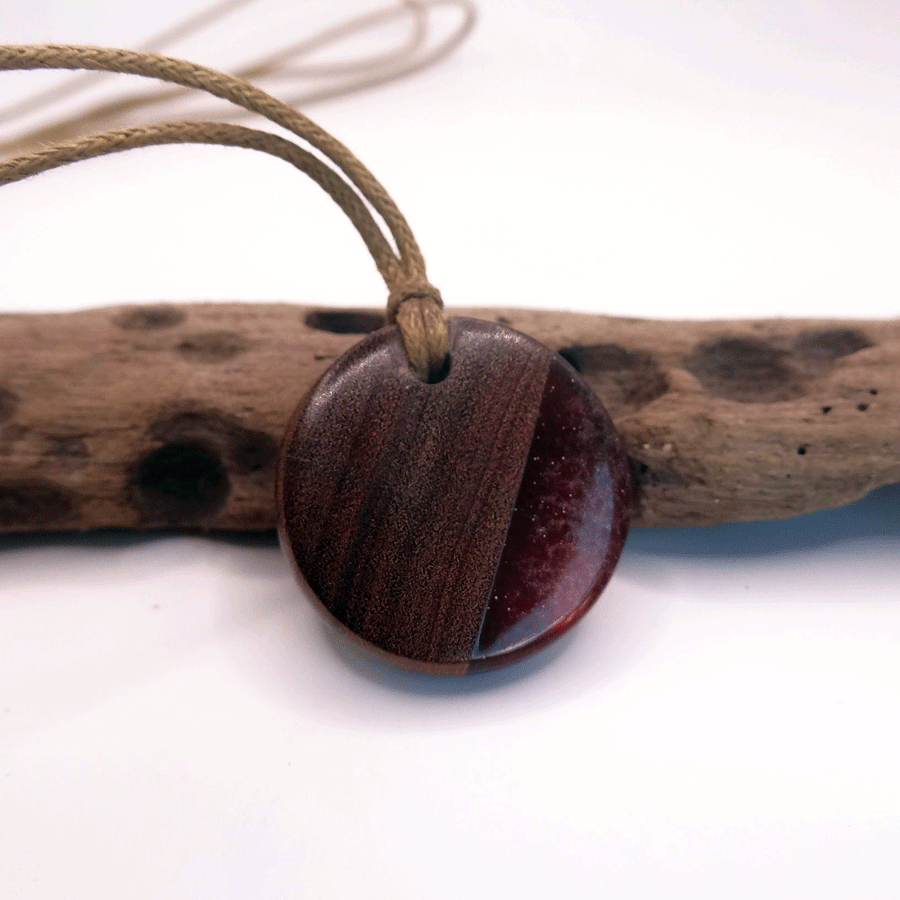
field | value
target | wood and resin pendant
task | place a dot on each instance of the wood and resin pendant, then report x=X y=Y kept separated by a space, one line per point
x=459 y=525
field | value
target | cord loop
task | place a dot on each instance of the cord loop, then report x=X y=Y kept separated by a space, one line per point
x=413 y=303
x=416 y=307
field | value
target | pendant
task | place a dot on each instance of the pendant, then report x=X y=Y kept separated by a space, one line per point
x=460 y=525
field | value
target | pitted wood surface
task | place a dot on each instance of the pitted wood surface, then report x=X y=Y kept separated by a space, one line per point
x=170 y=415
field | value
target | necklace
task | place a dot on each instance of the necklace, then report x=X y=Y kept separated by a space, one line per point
x=717 y=358
x=455 y=496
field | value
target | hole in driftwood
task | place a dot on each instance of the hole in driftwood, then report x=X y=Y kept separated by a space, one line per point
x=625 y=380
x=244 y=451
x=832 y=344
x=181 y=482
x=345 y=321
x=747 y=370
x=567 y=354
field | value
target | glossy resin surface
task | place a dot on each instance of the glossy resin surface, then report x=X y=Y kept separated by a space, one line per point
x=459 y=525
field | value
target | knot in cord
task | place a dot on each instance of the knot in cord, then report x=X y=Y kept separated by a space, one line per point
x=411 y=289
x=417 y=309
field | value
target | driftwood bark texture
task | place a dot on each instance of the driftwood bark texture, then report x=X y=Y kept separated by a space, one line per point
x=171 y=416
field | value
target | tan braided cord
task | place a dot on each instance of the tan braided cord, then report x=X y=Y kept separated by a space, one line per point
x=413 y=303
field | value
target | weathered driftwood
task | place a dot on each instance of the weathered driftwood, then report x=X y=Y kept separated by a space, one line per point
x=171 y=415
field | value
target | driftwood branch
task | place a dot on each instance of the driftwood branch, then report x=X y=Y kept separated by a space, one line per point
x=171 y=415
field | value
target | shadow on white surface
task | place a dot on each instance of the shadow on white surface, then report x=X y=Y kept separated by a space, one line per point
x=875 y=517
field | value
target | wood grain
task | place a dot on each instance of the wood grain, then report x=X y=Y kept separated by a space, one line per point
x=170 y=415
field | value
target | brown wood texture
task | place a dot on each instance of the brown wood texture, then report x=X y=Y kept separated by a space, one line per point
x=171 y=415
x=458 y=524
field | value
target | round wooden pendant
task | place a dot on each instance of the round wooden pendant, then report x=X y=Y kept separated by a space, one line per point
x=460 y=525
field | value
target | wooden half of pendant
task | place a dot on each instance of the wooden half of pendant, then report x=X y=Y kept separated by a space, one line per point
x=460 y=525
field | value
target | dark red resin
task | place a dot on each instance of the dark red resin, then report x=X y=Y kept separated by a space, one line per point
x=568 y=526
x=461 y=525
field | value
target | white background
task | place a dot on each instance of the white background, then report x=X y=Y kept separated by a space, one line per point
x=176 y=722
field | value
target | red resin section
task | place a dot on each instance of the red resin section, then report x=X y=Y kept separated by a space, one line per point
x=567 y=529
